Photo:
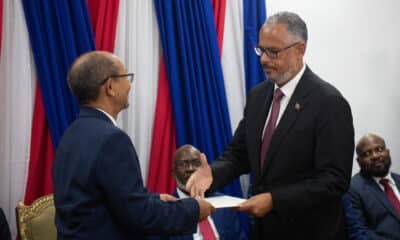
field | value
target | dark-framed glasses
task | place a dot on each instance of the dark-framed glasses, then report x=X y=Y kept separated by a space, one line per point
x=271 y=52
x=129 y=76
x=186 y=163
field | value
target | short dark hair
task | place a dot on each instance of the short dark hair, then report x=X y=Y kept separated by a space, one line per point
x=87 y=73
x=295 y=25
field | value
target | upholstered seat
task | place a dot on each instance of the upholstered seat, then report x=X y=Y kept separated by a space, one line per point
x=36 y=222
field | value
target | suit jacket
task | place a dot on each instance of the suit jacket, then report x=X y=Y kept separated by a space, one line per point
x=98 y=188
x=4 y=228
x=308 y=164
x=373 y=207
x=225 y=220
x=356 y=231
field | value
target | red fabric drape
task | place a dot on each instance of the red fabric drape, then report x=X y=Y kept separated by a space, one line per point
x=164 y=140
x=39 y=181
x=104 y=22
x=164 y=135
x=219 y=7
x=104 y=16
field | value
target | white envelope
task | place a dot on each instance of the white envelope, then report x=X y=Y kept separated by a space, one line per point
x=224 y=201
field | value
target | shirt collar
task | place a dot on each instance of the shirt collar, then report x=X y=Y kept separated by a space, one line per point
x=109 y=116
x=290 y=86
x=388 y=177
x=181 y=194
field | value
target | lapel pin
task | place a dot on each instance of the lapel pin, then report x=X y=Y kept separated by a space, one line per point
x=297 y=107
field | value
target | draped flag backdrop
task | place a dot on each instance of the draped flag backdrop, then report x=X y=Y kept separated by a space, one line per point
x=193 y=63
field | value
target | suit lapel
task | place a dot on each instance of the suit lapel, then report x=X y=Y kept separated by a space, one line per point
x=380 y=195
x=290 y=115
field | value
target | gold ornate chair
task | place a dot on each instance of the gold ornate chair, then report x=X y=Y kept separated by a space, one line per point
x=36 y=222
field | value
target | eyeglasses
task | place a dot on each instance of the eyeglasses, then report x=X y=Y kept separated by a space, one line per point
x=271 y=53
x=129 y=76
x=186 y=163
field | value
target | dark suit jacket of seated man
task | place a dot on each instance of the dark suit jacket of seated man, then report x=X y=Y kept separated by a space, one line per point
x=372 y=206
x=98 y=188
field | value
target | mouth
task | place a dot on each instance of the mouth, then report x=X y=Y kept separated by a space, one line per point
x=379 y=164
x=268 y=69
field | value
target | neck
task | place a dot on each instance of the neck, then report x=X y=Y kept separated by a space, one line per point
x=105 y=107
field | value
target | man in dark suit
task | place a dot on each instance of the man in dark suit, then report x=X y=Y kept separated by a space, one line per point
x=224 y=223
x=98 y=187
x=374 y=191
x=296 y=138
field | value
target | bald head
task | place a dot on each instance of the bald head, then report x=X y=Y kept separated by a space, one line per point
x=88 y=71
x=186 y=161
x=368 y=139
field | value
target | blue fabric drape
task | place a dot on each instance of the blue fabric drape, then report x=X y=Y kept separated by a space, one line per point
x=254 y=15
x=59 y=31
x=192 y=60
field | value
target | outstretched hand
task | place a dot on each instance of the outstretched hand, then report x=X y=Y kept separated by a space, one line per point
x=201 y=179
x=258 y=205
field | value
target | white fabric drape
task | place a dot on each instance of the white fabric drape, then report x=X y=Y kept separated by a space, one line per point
x=138 y=45
x=17 y=76
x=232 y=61
x=233 y=68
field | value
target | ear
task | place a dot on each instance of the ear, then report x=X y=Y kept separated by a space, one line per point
x=109 y=88
x=301 y=47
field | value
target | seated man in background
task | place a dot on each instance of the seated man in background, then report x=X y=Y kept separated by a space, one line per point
x=224 y=223
x=374 y=191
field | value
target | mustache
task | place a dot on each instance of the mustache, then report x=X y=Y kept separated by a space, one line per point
x=266 y=65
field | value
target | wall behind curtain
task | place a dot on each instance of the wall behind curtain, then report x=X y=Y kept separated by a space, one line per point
x=355 y=46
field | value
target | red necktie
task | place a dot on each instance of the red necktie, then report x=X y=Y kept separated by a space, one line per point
x=390 y=194
x=269 y=130
x=206 y=230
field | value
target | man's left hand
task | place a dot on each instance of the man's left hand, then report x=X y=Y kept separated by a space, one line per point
x=258 y=205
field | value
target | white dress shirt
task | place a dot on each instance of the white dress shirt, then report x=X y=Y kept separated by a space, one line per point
x=197 y=235
x=109 y=116
x=392 y=183
x=287 y=90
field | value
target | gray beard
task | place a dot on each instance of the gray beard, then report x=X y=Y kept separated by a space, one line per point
x=284 y=78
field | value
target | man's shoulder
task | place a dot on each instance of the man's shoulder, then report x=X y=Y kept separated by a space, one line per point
x=396 y=177
x=357 y=179
x=261 y=87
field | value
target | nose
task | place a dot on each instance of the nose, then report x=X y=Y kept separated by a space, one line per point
x=375 y=155
x=264 y=58
x=191 y=167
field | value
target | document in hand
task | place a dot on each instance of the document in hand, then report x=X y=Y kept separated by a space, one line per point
x=224 y=201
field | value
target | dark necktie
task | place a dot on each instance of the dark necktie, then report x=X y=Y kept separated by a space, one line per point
x=390 y=194
x=206 y=230
x=269 y=130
